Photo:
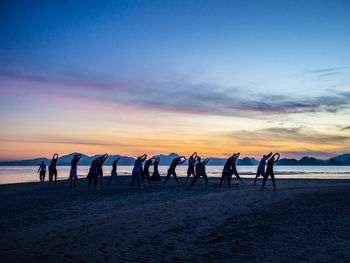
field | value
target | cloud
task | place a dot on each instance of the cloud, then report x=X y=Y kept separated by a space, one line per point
x=183 y=96
x=345 y=128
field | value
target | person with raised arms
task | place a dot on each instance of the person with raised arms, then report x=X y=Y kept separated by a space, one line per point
x=234 y=169
x=114 y=173
x=136 y=171
x=53 y=169
x=269 y=170
x=261 y=167
x=191 y=163
x=92 y=175
x=228 y=169
x=102 y=159
x=145 y=172
x=155 y=175
x=200 y=171
x=171 y=170
x=73 y=178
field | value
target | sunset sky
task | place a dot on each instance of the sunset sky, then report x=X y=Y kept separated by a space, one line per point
x=134 y=77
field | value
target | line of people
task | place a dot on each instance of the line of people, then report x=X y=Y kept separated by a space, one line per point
x=141 y=173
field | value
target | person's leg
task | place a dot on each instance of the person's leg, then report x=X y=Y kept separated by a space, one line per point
x=89 y=183
x=222 y=177
x=258 y=173
x=237 y=175
x=177 y=180
x=167 y=177
x=188 y=176
x=44 y=173
x=101 y=179
x=138 y=179
x=133 y=179
x=273 y=180
x=265 y=179
x=149 y=178
x=194 y=180
x=55 y=176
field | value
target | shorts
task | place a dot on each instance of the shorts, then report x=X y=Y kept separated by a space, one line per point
x=114 y=173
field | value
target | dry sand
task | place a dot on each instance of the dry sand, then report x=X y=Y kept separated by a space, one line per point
x=303 y=221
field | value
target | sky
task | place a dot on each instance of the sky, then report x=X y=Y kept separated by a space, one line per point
x=155 y=77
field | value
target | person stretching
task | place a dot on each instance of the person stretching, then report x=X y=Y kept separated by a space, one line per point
x=114 y=171
x=155 y=175
x=191 y=163
x=92 y=175
x=227 y=171
x=145 y=172
x=269 y=170
x=234 y=169
x=136 y=171
x=53 y=169
x=102 y=159
x=200 y=171
x=42 y=171
x=261 y=167
x=73 y=178
x=171 y=170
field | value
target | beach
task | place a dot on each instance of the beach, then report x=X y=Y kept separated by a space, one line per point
x=305 y=220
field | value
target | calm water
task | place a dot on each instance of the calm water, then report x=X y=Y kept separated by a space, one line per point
x=20 y=174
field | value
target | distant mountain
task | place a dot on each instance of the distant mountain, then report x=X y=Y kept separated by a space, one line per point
x=343 y=159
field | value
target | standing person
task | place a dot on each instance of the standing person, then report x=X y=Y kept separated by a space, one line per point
x=191 y=163
x=42 y=171
x=171 y=170
x=102 y=159
x=234 y=168
x=155 y=175
x=114 y=170
x=73 y=178
x=227 y=171
x=145 y=172
x=136 y=171
x=261 y=167
x=92 y=175
x=53 y=169
x=269 y=171
x=200 y=171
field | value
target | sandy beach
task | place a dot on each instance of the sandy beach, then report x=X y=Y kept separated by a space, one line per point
x=305 y=220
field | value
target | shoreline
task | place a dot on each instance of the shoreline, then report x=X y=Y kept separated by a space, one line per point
x=304 y=220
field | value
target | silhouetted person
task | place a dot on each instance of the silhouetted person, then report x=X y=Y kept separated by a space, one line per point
x=234 y=169
x=53 y=169
x=102 y=159
x=42 y=171
x=145 y=172
x=73 y=178
x=155 y=175
x=92 y=175
x=191 y=163
x=114 y=170
x=136 y=171
x=171 y=170
x=200 y=171
x=269 y=170
x=261 y=167
x=229 y=169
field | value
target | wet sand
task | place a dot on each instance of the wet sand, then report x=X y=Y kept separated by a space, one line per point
x=305 y=220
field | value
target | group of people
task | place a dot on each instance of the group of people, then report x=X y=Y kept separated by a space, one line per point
x=141 y=173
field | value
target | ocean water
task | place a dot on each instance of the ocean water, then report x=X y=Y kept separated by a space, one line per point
x=21 y=174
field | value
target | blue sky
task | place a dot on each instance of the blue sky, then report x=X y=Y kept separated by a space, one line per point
x=240 y=66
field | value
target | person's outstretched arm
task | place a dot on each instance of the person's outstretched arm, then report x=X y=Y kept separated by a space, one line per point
x=206 y=161
x=105 y=157
x=78 y=156
x=269 y=155
x=184 y=159
x=194 y=155
x=278 y=157
x=144 y=157
x=117 y=160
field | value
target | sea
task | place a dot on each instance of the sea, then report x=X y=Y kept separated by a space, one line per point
x=22 y=174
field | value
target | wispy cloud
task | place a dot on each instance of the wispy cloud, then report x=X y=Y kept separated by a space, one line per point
x=186 y=97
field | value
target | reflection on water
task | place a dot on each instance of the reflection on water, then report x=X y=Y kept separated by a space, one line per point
x=20 y=174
